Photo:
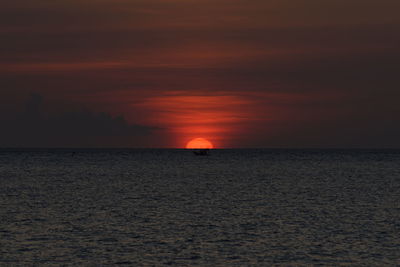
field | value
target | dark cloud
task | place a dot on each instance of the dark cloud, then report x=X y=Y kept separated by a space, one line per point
x=312 y=65
x=33 y=128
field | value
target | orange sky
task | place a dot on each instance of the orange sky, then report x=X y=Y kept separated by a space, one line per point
x=214 y=117
x=278 y=73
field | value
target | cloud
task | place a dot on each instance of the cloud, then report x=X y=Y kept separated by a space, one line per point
x=84 y=128
x=302 y=66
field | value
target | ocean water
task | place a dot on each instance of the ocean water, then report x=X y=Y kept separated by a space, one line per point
x=169 y=207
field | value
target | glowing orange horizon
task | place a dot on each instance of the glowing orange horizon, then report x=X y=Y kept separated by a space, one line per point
x=220 y=116
x=199 y=143
x=215 y=116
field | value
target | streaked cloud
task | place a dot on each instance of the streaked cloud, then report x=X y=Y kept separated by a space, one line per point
x=258 y=71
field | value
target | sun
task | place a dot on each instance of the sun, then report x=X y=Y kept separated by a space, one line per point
x=199 y=143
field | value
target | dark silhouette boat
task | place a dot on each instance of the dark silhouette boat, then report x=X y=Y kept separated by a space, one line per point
x=201 y=152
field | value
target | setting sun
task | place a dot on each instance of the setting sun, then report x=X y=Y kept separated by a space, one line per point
x=199 y=143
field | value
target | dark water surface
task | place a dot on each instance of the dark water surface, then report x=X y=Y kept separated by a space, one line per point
x=169 y=207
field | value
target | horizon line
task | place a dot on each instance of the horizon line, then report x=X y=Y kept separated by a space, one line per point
x=177 y=148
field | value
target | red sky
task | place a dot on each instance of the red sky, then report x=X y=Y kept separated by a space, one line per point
x=304 y=73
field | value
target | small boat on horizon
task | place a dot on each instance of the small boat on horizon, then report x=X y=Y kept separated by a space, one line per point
x=201 y=152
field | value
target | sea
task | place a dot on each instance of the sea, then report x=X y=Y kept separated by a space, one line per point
x=169 y=207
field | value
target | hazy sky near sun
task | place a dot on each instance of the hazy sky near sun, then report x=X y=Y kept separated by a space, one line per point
x=157 y=73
